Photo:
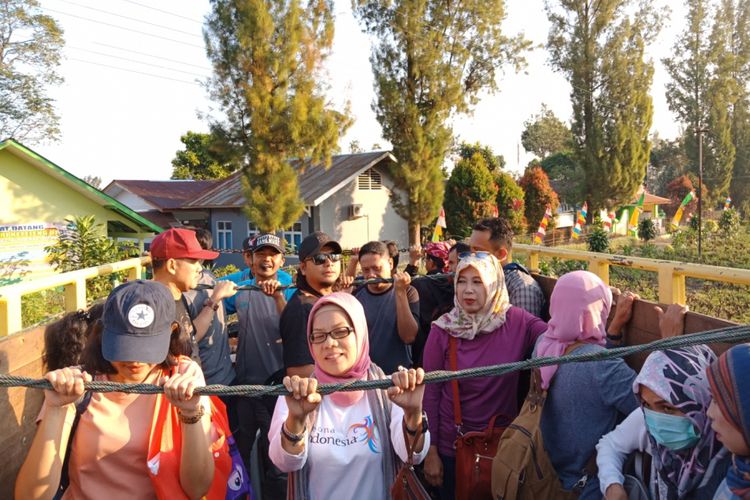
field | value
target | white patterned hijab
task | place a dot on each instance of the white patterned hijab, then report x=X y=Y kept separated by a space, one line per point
x=491 y=316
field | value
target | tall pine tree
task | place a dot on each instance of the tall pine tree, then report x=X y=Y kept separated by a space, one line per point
x=740 y=186
x=599 y=45
x=430 y=61
x=266 y=56
x=718 y=160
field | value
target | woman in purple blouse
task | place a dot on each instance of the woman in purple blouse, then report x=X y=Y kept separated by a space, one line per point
x=488 y=331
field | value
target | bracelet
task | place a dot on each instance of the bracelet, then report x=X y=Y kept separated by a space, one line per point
x=192 y=419
x=293 y=438
x=614 y=337
x=210 y=303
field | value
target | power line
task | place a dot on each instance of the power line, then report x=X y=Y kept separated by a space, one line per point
x=191 y=73
x=153 y=56
x=163 y=11
x=134 y=71
x=96 y=21
x=109 y=13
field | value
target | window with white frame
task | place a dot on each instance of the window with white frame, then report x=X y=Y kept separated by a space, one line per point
x=369 y=180
x=293 y=236
x=252 y=230
x=224 y=234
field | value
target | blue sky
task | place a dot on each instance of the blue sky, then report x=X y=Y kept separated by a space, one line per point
x=132 y=66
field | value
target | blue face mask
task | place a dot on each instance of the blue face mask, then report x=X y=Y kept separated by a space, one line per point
x=673 y=431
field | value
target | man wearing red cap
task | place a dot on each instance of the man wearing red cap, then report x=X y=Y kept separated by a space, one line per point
x=176 y=259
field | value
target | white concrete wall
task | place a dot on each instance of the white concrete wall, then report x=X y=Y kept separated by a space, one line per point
x=380 y=220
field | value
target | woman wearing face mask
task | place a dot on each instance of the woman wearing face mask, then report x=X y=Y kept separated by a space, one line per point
x=342 y=445
x=688 y=461
x=487 y=331
x=729 y=378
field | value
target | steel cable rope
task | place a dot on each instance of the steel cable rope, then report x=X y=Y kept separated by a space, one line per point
x=728 y=334
x=358 y=282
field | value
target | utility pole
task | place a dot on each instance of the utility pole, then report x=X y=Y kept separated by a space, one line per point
x=700 y=132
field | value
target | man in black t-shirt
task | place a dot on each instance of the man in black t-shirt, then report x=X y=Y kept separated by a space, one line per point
x=176 y=259
x=319 y=270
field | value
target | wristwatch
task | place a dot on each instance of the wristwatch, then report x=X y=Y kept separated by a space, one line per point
x=210 y=303
x=424 y=428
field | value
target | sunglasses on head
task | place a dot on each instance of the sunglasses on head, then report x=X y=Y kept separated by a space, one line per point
x=478 y=255
x=321 y=258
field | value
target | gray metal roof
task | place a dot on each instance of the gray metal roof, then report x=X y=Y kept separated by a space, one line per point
x=316 y=183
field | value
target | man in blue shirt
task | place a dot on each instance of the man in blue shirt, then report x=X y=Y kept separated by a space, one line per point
x=259 y=352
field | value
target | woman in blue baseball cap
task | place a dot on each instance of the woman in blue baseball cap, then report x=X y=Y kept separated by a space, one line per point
x=106 y=438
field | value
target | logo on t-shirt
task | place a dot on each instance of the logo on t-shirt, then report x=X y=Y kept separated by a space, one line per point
x=365 y=433
x=357 y=434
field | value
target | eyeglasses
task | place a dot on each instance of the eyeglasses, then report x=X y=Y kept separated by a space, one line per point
x=321 y=258
x=336 y=334
x=478 y=255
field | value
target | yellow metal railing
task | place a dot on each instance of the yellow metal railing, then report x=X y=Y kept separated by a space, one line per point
x=671 y=273
x=74 y=286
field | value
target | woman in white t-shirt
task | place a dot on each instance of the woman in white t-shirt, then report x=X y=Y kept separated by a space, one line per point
x=344 y=445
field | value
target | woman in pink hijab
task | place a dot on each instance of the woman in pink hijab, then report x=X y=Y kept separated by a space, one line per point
x=585 y=400
x=345 y=445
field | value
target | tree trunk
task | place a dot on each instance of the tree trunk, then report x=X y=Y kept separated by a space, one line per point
x=414 y=233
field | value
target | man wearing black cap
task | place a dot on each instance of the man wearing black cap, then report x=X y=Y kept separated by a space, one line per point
x=259 y=353
x=319 y=270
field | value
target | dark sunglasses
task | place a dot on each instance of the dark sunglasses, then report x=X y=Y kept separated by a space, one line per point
x=478 y=255
x=321 y=258
x=336 y=334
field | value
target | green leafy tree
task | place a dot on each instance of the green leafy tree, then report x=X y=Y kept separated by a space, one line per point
x=93 y=180
x=470 y=194
x=565 y=173
x=31 y=44
x=430 y=61
x=740 y=185
x=266 y=58
x=202 y=158
x=598 y=240
x=510 y=201
x=538 y=195
x=722 y=94
x=703 y=89
x=83 y=243
x=667 y=161
x=599 y=45
x=646 y=230
x=729 y=222
x=544 y=134
x=494 y=162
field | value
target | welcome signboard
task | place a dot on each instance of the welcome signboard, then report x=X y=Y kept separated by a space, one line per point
x=22 y=250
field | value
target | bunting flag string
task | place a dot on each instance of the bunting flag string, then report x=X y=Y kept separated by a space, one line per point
x=580 y=221
x=542 y=231
x=678 y=214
